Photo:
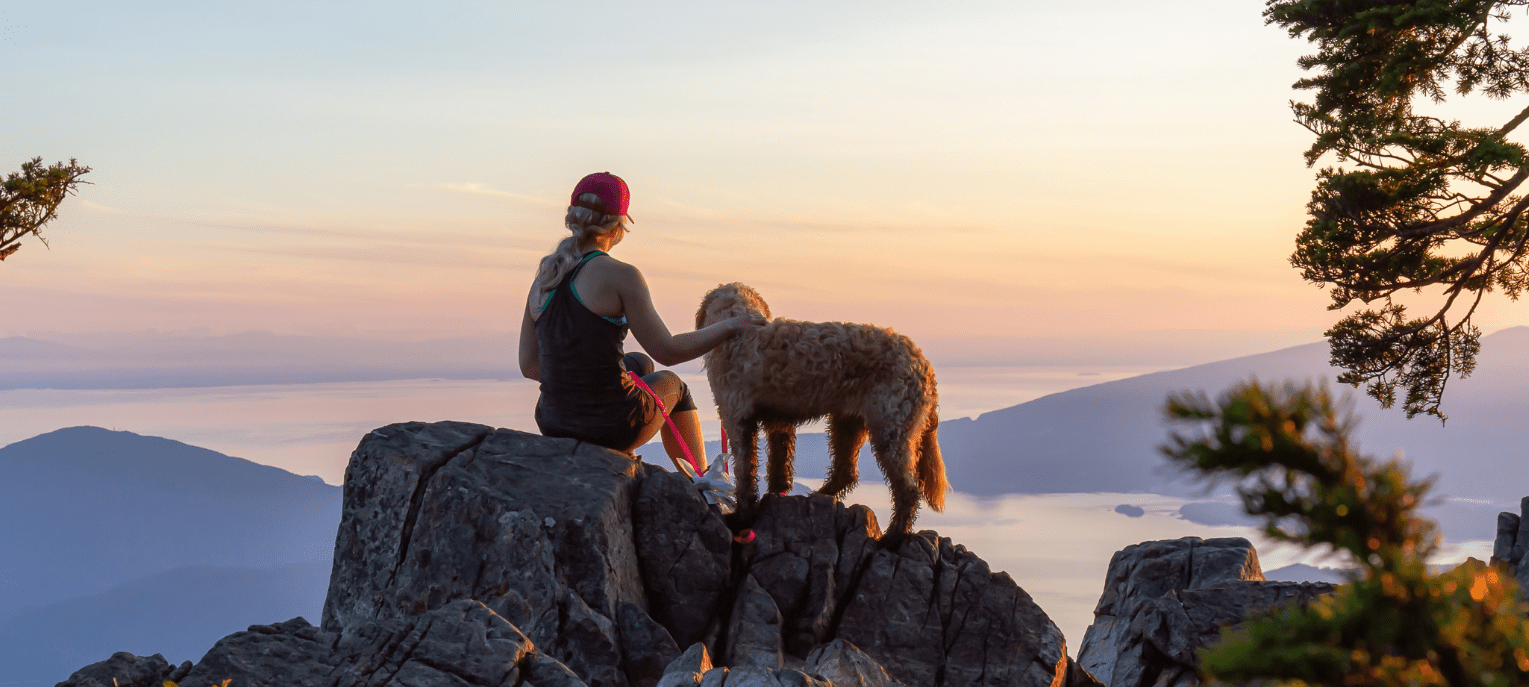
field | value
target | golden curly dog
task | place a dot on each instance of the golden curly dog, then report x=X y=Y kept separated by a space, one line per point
x=866 y=380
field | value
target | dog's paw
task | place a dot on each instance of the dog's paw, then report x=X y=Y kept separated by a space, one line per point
x=835 y=495
x=891 y=541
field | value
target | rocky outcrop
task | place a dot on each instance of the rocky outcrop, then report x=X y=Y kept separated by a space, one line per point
x=437 y=512
x=842 y=663
x=473 y=556
x=1165 y=600
x=1512 y=540
x=461 y=643
x=126 y=670
x=932 y=613
x=684 y=553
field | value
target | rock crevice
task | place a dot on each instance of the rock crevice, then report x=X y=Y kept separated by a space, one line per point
x=427 y=471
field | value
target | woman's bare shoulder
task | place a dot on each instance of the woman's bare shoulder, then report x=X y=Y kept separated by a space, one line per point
x=609 y=267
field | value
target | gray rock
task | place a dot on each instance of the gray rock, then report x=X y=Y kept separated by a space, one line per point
x=686 y=670
x=446 y=511
x=470 y=642
x=696 y=659
x=684 y=551
x=680 y=679
x=1521 y=538
x=754 y=635
x=797 y=678
x=1078 y=676
x=589 y=644
x=1149 y=570
x=180 y=672
x=462 y=643
x=751 y=676
x=715 y=677
x=1509 y=547
x=1165 y=600
x=123 y=670
x=541 y=670
x=1522 y=576
x=292 y=653
x=646 y=647
x=932 y=612
x=843 y=664
x=1167 y=634
x=806 y=552
x=1507 y=536
x=384 y=485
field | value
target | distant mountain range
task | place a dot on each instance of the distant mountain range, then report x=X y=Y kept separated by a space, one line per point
x=179 y=613
x=114 y=540
x=1104 y=437
x=87 y=509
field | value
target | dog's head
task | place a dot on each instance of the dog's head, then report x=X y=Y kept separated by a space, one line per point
x=729 y=300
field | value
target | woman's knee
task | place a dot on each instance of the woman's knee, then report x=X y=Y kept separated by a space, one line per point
x=674 y=391
x=638 y=362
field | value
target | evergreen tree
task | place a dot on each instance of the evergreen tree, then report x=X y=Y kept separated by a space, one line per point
x=1416 y=202
x=30 y=199
x=1393 y=623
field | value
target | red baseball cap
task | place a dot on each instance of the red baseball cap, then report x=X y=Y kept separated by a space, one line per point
x=609 y=188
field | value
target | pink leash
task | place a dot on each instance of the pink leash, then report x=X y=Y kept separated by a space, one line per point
x=747 y=535
x=690 y=457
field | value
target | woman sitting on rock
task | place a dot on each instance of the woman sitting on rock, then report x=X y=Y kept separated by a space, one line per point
x=581 y=304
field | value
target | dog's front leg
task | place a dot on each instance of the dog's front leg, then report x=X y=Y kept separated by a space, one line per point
x=782 y=438
x=745 y=435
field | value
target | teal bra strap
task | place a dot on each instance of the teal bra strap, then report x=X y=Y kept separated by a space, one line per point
x=619 y=321
x=582 y=260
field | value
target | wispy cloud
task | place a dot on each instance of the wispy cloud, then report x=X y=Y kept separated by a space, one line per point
x=103 y=208
x=477 y=189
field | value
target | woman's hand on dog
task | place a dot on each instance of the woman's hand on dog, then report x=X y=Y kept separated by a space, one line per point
x=739 y=324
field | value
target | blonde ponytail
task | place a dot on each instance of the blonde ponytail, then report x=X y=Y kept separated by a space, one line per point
x=583 y=222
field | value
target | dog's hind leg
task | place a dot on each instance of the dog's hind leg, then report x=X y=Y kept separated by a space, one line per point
x=782 y=440
x=895 y=451
x=846 y=434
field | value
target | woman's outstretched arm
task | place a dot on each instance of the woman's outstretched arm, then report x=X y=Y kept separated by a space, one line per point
x=653 y=334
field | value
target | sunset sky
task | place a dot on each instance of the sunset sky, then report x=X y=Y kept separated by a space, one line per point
x=1008 y=170
x=972 y=174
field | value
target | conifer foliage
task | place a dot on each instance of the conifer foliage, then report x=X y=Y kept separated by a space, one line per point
x=1415 y=202
x=1393 y=623
x=30 y=199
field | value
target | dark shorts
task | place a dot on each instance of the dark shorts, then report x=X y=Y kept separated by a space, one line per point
x=622 y=427
x=619 y=428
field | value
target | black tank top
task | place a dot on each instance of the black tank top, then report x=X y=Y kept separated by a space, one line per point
x=585 y=393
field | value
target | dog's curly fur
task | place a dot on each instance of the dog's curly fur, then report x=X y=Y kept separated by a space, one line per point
x=866 y=380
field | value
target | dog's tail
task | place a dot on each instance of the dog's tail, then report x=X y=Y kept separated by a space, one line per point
x=931 y=466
